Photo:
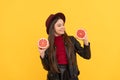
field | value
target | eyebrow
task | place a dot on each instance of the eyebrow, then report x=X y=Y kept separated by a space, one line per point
x=60 y=23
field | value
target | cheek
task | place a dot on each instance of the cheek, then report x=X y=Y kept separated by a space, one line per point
x=56 y=29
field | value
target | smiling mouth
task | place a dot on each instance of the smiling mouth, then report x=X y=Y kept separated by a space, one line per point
x=62 y=30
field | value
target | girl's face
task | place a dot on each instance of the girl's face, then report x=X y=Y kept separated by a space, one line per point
x=59 y=27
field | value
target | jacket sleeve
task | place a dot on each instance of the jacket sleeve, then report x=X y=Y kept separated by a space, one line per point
x=45 y=61
x=85 y=51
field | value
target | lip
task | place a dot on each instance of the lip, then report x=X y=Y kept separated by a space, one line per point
x=62 y=30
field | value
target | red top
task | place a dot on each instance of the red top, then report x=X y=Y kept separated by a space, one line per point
x=60 y=50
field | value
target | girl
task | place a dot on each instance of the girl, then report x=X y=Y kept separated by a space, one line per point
x=59 y=57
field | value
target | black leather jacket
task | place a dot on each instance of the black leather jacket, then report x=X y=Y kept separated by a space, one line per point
x=73 y=69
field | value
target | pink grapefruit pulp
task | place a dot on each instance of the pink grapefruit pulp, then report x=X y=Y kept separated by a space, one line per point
x=81 y=33
x=42 y=43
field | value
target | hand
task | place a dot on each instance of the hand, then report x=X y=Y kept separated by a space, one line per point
x=84 y=39
x=42 y=50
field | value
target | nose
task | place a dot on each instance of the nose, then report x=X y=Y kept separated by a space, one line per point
x=63 y=26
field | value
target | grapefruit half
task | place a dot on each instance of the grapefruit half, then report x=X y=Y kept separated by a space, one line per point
x=42 y=43
x=80 y=33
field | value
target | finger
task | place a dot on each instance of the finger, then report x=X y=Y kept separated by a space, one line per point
x=40 y=48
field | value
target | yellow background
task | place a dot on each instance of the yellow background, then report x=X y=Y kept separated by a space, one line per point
x=22 y=23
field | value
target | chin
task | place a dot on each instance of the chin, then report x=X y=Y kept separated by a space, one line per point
x=62 y=32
